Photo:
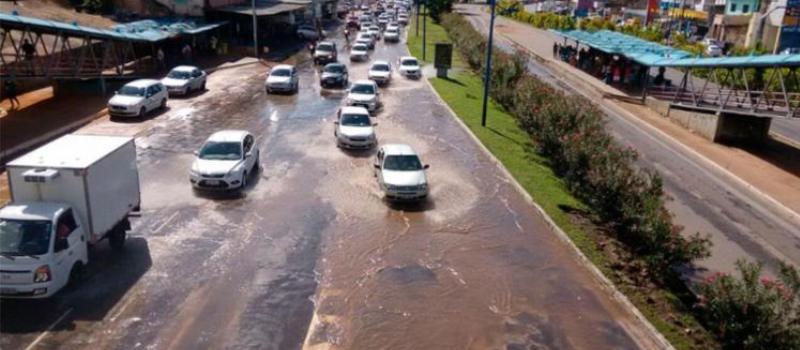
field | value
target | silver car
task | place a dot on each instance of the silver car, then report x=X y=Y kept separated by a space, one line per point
x=354 y=129
x=400 y=173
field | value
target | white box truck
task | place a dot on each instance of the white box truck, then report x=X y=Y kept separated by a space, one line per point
x=65 y=196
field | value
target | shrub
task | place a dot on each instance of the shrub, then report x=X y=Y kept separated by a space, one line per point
x=569 y=130
x=752 y=312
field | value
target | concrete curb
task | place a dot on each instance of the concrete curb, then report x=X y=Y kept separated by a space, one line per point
x=621 y=110
x=606 y=283
x=50 y=135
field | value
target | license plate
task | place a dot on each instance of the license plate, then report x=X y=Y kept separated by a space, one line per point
x=212 y=182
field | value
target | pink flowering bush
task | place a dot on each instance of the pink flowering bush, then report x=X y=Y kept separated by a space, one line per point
x=753 y=312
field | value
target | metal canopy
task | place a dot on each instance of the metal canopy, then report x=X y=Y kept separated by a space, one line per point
x=142 y=31
x=656 y=55
x=267 y=8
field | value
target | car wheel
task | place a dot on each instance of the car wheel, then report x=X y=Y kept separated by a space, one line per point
x=269 y=91
x=142 y=112
x=256 y=165
x=203 y=86
x=117 y=238
x=75 y=275
x=163 y=104
x=244 y=180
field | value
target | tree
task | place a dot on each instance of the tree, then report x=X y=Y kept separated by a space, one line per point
x=436 y=8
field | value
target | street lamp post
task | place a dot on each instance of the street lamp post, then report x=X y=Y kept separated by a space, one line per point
x=255 y=30
x=424 y=30
x=418 y=6
x=488 y=65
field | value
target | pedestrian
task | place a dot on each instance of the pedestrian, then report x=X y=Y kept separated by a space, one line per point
x=11 y=91
x=28 y=49
x=213 y=41
x=187 y=53
x=555 y=49
x=160 y=58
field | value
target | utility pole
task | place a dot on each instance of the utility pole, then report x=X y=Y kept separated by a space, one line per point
x=424 y=30
x=418 y=5
x=255 y=30
x=488 y=66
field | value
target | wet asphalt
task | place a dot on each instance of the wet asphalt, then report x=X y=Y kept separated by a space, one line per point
x=310 y=255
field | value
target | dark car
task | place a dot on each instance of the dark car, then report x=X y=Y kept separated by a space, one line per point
x=334 y=74
x=325 y=52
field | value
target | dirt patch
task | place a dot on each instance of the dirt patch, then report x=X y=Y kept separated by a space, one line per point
x=56 y=11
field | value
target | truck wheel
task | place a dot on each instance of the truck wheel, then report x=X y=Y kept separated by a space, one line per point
x=75 y=275
x=117 y=238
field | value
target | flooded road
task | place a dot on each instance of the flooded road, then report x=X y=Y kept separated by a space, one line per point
x=311 y=255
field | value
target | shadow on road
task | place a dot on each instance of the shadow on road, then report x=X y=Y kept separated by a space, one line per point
x=109 y=276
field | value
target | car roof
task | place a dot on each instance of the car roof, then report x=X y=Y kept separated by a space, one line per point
x=364 y=82
x=228 y=136
x=140 y=83
x=354 y=110
x=375 y=63
x=398 y=149
x=283 y=66
x=408 y=58
x=335 y=64
x=325 y=43
x=184 y=68
x=360 y=45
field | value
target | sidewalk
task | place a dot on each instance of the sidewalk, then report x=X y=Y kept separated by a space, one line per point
x=774 y=171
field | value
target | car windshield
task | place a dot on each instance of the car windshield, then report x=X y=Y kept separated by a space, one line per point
x=281 y=73
x=381 y=67
x=176 y=74
x=409 y=62
x=363 y=89
x=334 y=68
x=324 y=47
x=360 y=48
x=131 y=91
x=355 y=120
x=402 y=163
x=221 y=151
x=24 y=237
x=391 y=31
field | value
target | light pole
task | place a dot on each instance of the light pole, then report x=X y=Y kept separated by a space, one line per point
x=488 y=66
x=418 y=5
x=424 y=30
x=255 y=30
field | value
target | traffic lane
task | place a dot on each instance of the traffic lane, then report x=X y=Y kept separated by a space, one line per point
x=473 y=266
x=787 y=128
x=195 y=240
x=110 y=275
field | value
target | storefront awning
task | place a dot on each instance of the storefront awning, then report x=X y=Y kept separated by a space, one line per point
x=266 y=8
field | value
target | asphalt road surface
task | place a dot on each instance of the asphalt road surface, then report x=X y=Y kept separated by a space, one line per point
x=740 y=223
x=311 y=255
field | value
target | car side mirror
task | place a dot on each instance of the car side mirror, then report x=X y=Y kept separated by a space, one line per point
x=336 y=122
x=248 y=154
x=377 y=166
x=426 y=166
x=60 y=244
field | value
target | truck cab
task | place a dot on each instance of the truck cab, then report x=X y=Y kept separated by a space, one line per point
x=42 y=247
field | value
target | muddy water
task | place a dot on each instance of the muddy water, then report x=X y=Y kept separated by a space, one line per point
x=473 y=267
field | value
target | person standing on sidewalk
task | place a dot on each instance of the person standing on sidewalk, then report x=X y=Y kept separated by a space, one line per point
x=160 y=59
x=11 y=91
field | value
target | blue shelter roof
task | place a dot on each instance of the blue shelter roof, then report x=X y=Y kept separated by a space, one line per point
x=146 y=30
x=656 y=55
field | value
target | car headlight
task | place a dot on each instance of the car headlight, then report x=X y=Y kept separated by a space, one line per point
x=423 y=187
x=235 y=169
x=42 y=274
x=194 y=172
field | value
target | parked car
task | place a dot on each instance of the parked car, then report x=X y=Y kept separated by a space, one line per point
x=308 y=32
x=790 y=51
x=400 y=173
x=354 y=129
x=380 y=72
x=391 y=35
x=710 y=41
x=182 y=80
x=66 y=196
x=409 y=67
x=366 y=39
x=137 y=98
x=359 y=52
x=364 y=93
x=225 y=161
x=282 y=77
x=713 y=51
x=325 y=52
x=334 y=74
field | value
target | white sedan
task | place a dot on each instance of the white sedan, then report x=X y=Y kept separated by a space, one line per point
x=380 y=72
x=409 y=67
x=364 y=93
x=359 y=52
x=225 y=162
x=182 y=80
x=400 y=173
